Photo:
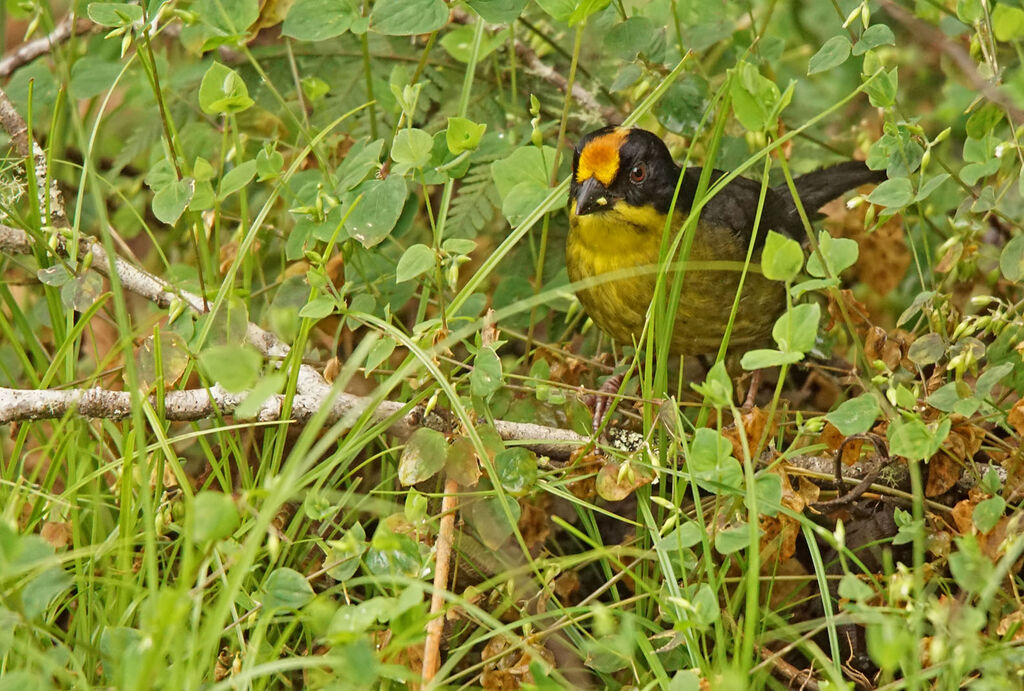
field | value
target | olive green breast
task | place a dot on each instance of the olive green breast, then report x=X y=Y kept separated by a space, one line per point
x=615 y=253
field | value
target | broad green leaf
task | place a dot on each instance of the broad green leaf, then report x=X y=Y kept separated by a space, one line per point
x=222 y=91
x=459 y=43
x=236 y=178
x=286 y=589
x=1007 y=22
x=412 y=147
x=988 y=512
x=498 y=11
x=269 y=164
x=319 y=307
x=760 y=358
x=81 y=292
x=316 y=20
x=882 y=89
x=234 y=367
x=91 y=75
x=463 y=135
x=839 y=253
x=717 y=386
x=527 y=164
x=393 y=554
x=416 y=260
x=423 y=455
x=914 y=440
x=170 y=201
x=378 y=211
x=755 y=98
x=781 y=257
x=732 y=539
x=852 y=588
x=407 y=17
x=971 y=568
x=487 y=517
x=1011 y=259
x=628 y=38
x=517 y=470
x=893 y=193
x=43 y=590
x=114 y=14
x=874 y=36
x=341 y=558
x=833 y=53
x=267 y=386
x=796 y=331
x=711 y=462
x=485 y=379
x=214 y=516
x=855 y=416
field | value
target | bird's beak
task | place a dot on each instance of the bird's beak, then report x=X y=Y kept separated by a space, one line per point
x=591 y=196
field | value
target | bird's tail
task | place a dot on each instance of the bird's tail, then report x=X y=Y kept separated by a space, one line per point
x=819 y=187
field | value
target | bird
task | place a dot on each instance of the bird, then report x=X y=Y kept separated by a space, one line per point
x=622 y=186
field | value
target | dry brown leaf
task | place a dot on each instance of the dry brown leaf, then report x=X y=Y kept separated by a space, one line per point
x=1016 y=417
x=58 y=534
x=1014 y=620
x=884 y=257
x=754 y=422
x=535 y=521
x=778 y=541
x=833 y=439
x=943 y=473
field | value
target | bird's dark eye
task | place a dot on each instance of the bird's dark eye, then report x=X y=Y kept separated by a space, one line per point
x=638 y=173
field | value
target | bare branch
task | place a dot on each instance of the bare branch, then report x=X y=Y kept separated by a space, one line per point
x=27 y=52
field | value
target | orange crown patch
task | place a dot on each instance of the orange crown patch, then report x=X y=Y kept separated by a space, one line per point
x=600 y=157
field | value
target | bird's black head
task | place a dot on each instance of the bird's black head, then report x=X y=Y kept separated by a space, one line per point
x=615 y=164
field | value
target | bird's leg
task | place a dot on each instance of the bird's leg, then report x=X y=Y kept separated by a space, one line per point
x=600 y=402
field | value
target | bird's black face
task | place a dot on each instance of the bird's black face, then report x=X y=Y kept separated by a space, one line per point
x=616 y=164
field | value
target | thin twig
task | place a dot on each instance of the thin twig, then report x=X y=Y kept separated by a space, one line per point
x=29 y=51
x=442 y=565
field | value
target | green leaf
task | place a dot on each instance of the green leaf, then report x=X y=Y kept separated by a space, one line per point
x=927 y=350
x=796 y=331
x=852 y=588
x=416 y=260
x=463 y=135
x=627 y=39
x=914 y=440
x=286 y=589
x=558 y=9
x=761 y=358
x=393 y=554
x=988 y=512
x=755 y=99
x=342 y=556
x=781 y=257
x=485 y=379
x=839 y=253
x=882 y=89
x=459 y=43
x=380 y=352
x=378 y=211
x=170 y=201
x=412 y=147
x=1011 y=259
x=498 y=11
x=319 y=307
x=685 y=535
x=361 y=159
x=316 y=20
x=82 y=292
x=717 y=386
x=517 y=470
x=1007 y=22
x=91 y=76
x=893 y=193
x=407 y=17
x=43 y=590
x=488 y=518
x=971 y=569
x=269 y=164
x=732 y=539
x=423 y=455
x=222 y=91
x=526 y=165
x=768 y=490
x=214 y=516
x=234 y=367
x=833 y=53
x=236 y=178
x=266 y=387
x=874 y=36
x=855 y=416
x=114 y=14
x=711 y=463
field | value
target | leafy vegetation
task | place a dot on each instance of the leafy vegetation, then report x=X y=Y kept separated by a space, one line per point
x=333 y=432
